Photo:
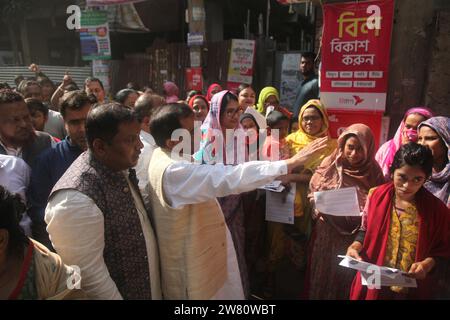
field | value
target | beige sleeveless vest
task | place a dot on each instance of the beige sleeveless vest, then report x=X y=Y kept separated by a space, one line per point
x=191 y=240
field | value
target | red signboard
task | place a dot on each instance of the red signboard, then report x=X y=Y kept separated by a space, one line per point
x=194 y=79
x=340 y=120
x=356 y=44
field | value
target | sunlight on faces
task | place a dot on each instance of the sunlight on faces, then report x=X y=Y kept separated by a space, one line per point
x=407 y=181
x=271 y=101
x=230 y=118
x=38 y=119
x=16 y=126
x=33 y=91
x=200 y=109
x=411 y=122
x=282 y=127
x=429 y=138
x=123 y=151
x=94 y=87
x=131 y=100
x=312 y=121
x=250 y=129
x=353 y=151
x=75 y=122
x=306 y=65
x=247 y=98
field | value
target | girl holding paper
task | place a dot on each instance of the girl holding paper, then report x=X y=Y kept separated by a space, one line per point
x=352 y=164
x=404 y=226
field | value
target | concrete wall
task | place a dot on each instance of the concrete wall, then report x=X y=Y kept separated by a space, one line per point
x=437 y=92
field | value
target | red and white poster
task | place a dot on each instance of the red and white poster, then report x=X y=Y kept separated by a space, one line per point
x=194 y=79
x=240 y=67
x=356 y=45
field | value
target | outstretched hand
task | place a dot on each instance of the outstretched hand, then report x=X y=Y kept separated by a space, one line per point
x=304 y=154
x=34 y=68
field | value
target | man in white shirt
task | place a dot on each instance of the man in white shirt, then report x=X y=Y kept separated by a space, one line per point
x=198 y=259
x=96 y=217
x=143 y=108
x=15 y=177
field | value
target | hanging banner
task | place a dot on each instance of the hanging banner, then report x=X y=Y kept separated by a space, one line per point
x=100 y=70
x=356 y=43
x=94 y=36
x=194 y=79
x=240 y=69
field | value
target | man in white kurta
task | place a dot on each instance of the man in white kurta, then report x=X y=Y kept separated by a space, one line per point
x=198 y=259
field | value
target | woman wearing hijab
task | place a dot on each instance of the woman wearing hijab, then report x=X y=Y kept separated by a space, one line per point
x=352 y=164
x=212 y=90
x=270 y=98
x=200 y=106
x=224 y=116
x=293 y=239
x=171 y=92
x=406 y=132
x=435 y=134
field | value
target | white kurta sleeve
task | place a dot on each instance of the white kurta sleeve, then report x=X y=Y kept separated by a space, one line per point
x=188 y=183
x=76 y=228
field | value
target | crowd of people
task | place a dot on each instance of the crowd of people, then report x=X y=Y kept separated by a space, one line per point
x=95 y=204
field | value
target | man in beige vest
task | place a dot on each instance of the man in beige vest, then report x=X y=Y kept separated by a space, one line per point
x=197 y=255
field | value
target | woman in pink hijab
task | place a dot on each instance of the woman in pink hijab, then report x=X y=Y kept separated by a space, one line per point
x=406 y=132
x=171 y=92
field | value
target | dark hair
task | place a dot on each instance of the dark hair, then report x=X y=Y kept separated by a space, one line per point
x=10 y=96
x=166 y=119
x=4 y=85
x=229 y=96
x=18 y=79
x=103 y=121
x=71 y=87
x=74 y=100
x=92 y=79
x=133 y=85
x=123 y=94
x=192 y=93
x=274 y=117
x=248 y=116
x=309 y=55
x=44 y=80
x=242 y=87
x=414 y=155
x=12 y=208
x=23 y=86
x=146 y=104
x=36 y=105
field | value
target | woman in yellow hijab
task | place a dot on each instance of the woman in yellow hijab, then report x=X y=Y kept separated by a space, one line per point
x=293 y=239
x=267 y=96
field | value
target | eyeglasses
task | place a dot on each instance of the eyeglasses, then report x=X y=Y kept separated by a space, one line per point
x=232 y=112
x=311 y=118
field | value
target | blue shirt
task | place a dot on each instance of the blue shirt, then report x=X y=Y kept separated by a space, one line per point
x=49 y=166
x=308 y=89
